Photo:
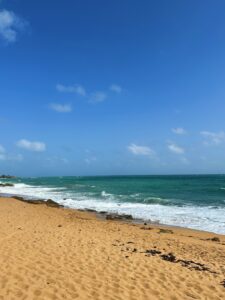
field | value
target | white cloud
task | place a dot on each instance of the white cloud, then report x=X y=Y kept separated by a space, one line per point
x=62 y=108
x=98 y=97
x=179 y=130
x=116 y=88
x=213 y=138
x=176 y=149
x=140 y=150
x=10 y=25
x=77 y=89
x=32 y=146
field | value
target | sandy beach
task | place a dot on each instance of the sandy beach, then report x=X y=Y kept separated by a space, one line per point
x=57 y=253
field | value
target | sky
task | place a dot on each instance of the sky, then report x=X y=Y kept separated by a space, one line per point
x=93 y=87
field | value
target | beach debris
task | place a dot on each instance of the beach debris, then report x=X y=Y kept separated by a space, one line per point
x=130 y=242
x=223 y=283
x=190 y=264
x=146 y=228
x=59 y=225
x=168 y=257
x=163 y=230
x=152 y=252
x=115 y=217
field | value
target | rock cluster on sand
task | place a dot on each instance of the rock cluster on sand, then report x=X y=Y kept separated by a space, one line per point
x=6 y=184
x=115 y=216
x=48 y=202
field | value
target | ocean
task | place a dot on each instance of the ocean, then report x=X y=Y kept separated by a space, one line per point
x=193 y=201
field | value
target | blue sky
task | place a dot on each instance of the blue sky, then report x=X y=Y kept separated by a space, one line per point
x=112 y=87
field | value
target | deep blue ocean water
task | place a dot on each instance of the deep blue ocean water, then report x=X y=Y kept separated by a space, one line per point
x=193 y=201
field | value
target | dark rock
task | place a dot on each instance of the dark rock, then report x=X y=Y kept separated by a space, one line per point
x=6 y=184
x=28 y=201
x=118 y=217
x=19 y=198
x=215 y=239
x=90 y=210
x=49 y=202
x=113 y=217
x=162 y=230
x=52 y=203
x=127 y=217
x=168 y=257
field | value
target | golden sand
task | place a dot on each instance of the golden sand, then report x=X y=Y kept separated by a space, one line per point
x=56 y=253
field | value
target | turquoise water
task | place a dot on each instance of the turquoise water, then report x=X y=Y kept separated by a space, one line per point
x=189 y=201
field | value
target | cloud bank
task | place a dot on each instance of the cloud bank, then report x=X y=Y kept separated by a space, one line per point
x=76 y=89
x=213 y=138
x=176 y=149
x=61 y=108
x=179 y=130
x=10 y=25
x=140 y=150
x=31 y=146
x=98 y=97
x=116 y=88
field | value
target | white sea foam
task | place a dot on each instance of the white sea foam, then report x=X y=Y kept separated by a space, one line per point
x=202 y=218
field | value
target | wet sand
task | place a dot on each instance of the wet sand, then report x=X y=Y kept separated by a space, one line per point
x=56 y=253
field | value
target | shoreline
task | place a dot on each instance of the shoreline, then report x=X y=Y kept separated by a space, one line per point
x=103 y=214
x=51 y=252
x=176 y=201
